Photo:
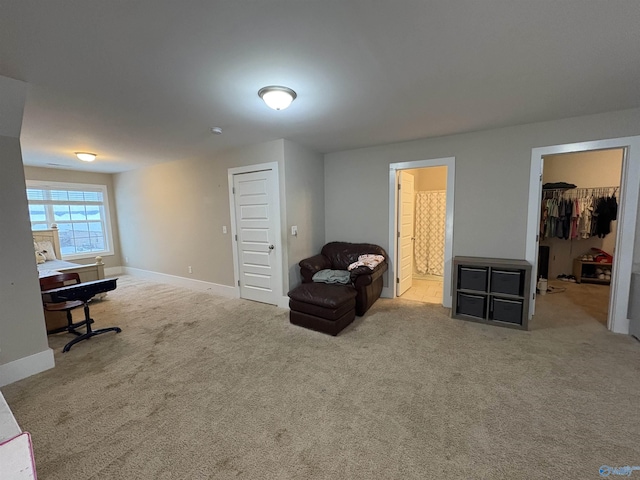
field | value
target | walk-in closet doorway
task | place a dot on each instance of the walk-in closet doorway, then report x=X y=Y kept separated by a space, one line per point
x=421 y=225
x=578 y=230
x=617 y=319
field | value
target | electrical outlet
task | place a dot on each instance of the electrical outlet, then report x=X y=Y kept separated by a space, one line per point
x=190 y=269
x=224 y=229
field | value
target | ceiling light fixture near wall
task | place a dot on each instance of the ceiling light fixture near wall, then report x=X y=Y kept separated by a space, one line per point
x=277 y=97
x=216 y=130
x=86 y=157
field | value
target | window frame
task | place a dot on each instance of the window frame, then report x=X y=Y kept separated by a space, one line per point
x=51 y=185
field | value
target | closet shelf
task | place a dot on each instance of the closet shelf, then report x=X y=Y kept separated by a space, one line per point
x=585 y=272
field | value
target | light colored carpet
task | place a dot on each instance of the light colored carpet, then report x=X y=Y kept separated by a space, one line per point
x=198 y=386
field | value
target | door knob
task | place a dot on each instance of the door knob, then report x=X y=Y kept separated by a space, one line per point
x=271 y=247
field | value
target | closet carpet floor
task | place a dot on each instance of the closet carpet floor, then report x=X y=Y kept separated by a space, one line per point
x=588 y=298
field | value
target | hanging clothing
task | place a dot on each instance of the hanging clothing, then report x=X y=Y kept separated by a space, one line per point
x=578 y=213
x=575 y=215
x=607 y=211
x=585 y=219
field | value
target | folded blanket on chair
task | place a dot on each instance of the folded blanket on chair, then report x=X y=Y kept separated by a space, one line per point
x=369 y=260
x=332 y=276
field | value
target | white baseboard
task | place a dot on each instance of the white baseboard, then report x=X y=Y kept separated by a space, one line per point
x=284 y=302
x=26 y=366
x=215 y=288
x=113 y=271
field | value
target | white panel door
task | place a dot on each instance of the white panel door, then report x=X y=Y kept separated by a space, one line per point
x=256 y=202
x=406 y=209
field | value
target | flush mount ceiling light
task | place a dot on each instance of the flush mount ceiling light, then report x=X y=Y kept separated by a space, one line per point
x=277 y=97
x=86 y=157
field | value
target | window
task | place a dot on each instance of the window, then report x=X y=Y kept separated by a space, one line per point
x=80 y=211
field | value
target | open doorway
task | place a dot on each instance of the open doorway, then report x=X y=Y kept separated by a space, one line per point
x=422 y=218
x=618 y=321
x=421 y=197
x=578 y=229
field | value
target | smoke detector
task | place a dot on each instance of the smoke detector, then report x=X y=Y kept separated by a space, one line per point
x=216 y=130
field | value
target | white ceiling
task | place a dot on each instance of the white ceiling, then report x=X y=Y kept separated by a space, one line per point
x=140 y=82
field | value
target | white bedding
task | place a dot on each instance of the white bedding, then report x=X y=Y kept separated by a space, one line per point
x=51 y=267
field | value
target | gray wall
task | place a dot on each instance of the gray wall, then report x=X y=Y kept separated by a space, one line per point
x=304 y=185
x=171 y=215
x=73 y=176
x=22 y=329
x=492 y=181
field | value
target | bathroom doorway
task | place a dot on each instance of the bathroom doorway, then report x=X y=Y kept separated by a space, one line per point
x=422 y=228
x=422 y=236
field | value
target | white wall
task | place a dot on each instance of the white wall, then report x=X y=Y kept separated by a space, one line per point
x=492 y=181
x=304 y=196
x=74 y=176
x=600 y=168
x=23 y=339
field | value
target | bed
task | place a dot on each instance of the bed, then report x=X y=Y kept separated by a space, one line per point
x=93 y=271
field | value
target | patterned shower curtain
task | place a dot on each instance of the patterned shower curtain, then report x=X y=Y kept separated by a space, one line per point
x=431 y=214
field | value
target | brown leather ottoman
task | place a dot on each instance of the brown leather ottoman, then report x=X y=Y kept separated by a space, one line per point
x=322 y=307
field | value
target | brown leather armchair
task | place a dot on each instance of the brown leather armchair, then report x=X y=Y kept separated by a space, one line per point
x=338 y=256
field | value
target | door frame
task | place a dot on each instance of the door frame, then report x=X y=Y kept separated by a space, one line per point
x=450 y=163
x=278 y=290
x=617 y=320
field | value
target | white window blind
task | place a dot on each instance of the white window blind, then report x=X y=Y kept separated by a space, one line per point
x=80 y=211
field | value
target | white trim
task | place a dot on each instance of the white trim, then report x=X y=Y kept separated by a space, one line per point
x=627 y=215
x=279 y=290
x=26 y=366
x=9 y=427
x=283 y=302
x=215 y=288
x=450 y=163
